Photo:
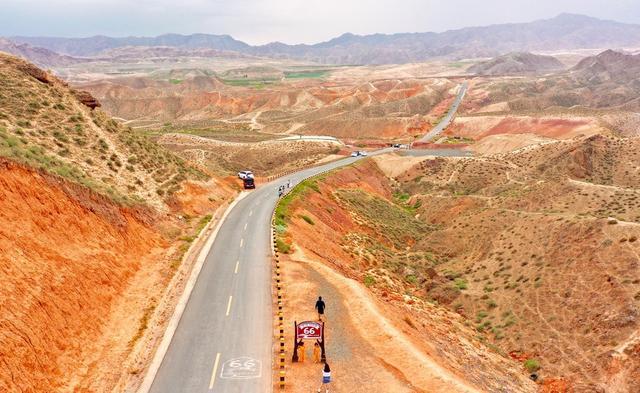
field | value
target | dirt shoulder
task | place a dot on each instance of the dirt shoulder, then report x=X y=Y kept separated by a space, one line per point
x=365 y=348
x=375 y=332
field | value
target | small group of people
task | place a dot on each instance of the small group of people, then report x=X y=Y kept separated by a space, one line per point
x=302 y=353
x=284 y=187
x=326 y=370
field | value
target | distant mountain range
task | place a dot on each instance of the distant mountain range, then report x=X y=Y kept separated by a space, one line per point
x=566 y=31
x=40 y=56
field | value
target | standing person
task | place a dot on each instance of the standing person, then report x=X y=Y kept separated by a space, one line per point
x=320 y=306
x=301 y=351
x=289 y=184
x=326 y=377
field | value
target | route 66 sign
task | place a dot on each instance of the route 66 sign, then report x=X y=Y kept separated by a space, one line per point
x=309 y=329
x=241 y=368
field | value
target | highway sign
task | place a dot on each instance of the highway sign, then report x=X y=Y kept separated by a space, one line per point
x=309 y=330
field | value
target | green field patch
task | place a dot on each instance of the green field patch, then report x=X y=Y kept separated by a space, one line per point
x=315 y=74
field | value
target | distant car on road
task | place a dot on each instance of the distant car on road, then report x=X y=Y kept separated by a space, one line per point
x=245 y=175
x=355 y=154
x=396 y=145
x=360 y=153
x=248 y=183
x=363 y=153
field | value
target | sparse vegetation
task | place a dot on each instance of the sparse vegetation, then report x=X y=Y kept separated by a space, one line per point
x=50 y=129
x=369 y=280
x=308 y=219
x=532 y=365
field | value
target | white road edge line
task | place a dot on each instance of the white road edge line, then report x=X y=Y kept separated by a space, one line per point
x=215 y=371
x=156 y=362
x=229 y=305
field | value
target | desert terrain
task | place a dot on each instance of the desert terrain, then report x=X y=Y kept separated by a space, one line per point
x=501 y=255
x=535 y=251
x=95 y=223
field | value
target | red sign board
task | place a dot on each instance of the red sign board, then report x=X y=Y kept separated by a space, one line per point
x=309 y=329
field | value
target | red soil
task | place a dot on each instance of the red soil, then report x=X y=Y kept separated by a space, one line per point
x=66 y=255
x=551 y=128
x=556 y=128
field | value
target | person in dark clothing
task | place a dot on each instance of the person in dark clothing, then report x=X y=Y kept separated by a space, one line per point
x=320 y=306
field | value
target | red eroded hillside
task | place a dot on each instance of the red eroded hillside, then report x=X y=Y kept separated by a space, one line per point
x=66 y=255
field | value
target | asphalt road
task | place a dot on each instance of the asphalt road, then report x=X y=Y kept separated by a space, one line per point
x=444 y=123
x=223 y=342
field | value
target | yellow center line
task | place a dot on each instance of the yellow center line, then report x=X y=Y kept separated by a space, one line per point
x=229 y=305
x=236 y=270
x=215 y=371
x=241 y=242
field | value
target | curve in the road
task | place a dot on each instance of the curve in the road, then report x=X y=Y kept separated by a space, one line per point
x=223 y=341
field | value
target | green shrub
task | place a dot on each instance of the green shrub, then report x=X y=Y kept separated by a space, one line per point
x=412 y=279
x=308 y=219
x=283 y=246
x=532 y=365
x=460 y=283
x=369 y=280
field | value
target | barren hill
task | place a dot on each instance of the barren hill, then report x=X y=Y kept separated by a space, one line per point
x=566 y=31
x=608 y=66
x=536 y=249
x=605 y=84
x=518 y=63
x=348 y=222
x=147 y=52
x=380 y=109
x=39 y=56
x=94 y=222
x=44 y=123
x=91 y=46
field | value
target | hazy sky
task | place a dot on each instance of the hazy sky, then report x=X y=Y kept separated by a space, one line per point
x=290 y=21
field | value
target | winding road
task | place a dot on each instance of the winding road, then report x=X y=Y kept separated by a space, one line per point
x=444 y=123
x=223 y=342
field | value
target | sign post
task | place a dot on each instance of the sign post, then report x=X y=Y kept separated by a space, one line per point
x=294 y=358
x=305 y=331
x=323 y=356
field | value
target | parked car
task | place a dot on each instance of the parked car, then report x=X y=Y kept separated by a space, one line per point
x=248 y=183
x=245 y=175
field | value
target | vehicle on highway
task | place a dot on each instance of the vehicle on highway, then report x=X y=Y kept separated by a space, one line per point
x=245 y=175
x=363 y=153
x=396 y=145
x=355 y=154
x=248 y=183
